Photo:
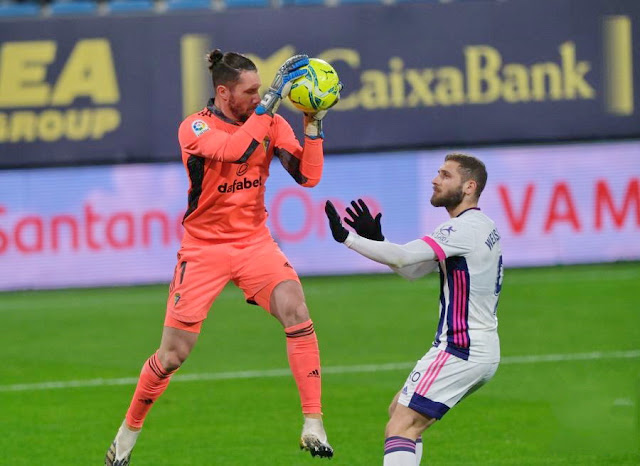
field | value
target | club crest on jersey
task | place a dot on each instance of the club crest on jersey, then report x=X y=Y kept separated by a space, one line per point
x=443 y=233
x=176 y=298
x=199 y=127
x=265 y=144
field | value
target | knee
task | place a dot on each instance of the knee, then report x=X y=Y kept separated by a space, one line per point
x=300 y=312
x=288 y=304
x=400 y=426
x=175 y=347
x=294 y=314
x=407 y=423
x=172 y=359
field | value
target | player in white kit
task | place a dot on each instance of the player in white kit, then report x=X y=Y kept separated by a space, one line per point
x=466 y=350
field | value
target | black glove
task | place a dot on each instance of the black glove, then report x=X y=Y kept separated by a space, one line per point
x=363 y=222
x=338 y=231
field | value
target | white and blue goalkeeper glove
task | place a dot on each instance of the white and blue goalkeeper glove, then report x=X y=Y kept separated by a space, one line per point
x=281 y=85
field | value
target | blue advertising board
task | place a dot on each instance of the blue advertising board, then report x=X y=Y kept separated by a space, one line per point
x=114 y=89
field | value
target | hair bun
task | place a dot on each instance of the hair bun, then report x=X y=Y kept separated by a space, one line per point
x=215 y=56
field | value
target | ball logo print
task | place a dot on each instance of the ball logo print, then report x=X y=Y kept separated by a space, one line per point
x=318 y=89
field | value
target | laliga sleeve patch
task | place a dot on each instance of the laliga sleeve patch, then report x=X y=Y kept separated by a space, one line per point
x=199 y=127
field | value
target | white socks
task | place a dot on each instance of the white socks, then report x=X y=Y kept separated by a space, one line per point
x=418 y=450
x=399 y=451
x=315 y=427
x=125 y=441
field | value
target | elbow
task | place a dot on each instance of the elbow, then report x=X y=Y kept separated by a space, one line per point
x=310 y=183
x=403 y=274
x=398 y=264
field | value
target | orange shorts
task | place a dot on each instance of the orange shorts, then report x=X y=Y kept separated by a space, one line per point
x=256 y=265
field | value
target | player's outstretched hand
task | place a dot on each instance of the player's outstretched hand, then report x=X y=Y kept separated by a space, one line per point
x=281 y=85
x=338 y=230
x=363 y=222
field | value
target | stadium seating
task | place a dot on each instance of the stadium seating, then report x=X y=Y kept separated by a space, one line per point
x=176 y=5
x=247 y=3
x=131 y=6
x=19 y=9
x=427 y=1
x=122 y=7
x=74 y=8
x=304 y=2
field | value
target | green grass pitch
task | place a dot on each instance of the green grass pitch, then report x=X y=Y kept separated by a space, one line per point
x=578 y=407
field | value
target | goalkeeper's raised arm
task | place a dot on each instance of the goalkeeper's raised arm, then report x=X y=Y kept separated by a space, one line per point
x=303 y=163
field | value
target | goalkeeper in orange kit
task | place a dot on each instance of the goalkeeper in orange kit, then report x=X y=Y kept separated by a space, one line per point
x=227 y=148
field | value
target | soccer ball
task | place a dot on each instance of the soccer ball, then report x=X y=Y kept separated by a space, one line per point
x=318 y=89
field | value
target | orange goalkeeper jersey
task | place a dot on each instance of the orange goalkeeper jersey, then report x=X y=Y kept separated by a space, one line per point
x=228 y=165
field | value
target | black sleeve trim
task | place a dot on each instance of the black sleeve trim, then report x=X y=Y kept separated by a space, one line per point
x=195 y=168
x=250 y=150
x=291 y=164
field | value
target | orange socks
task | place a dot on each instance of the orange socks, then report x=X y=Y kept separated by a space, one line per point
x=152 y=383
x=304 y=360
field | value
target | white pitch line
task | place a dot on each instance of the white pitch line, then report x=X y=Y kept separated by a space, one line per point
x=595 y=355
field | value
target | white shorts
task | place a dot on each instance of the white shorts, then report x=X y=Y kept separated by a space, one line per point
x=440 y=380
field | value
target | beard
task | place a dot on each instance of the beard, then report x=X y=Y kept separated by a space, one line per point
x=241 y=114
x=449 y=200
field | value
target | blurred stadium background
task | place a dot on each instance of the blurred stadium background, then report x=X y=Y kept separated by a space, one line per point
x=92 y=193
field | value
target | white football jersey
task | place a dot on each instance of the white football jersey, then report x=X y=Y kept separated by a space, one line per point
x=470 y=258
